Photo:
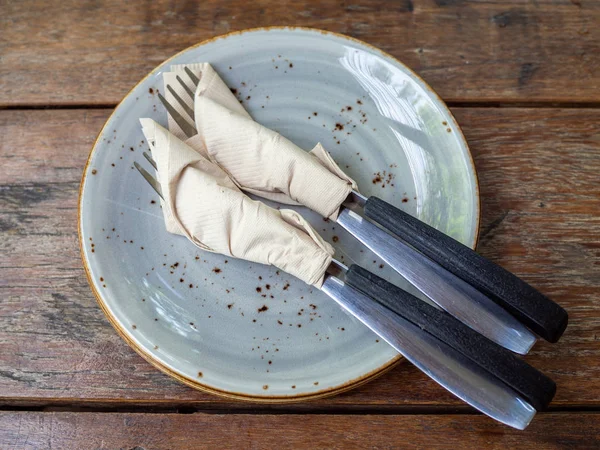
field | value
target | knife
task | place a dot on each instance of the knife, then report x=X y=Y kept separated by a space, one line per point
x=448 y=367
x=533 y=385
x=448 y=291
x=543 y=316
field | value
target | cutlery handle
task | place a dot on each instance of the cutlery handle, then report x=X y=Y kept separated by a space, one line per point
x=442 y=363
x=532 y=308
x=533 y=385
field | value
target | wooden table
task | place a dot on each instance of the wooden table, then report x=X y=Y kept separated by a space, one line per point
x=522 y=78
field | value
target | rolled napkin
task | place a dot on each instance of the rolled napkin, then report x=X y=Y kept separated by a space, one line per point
x=203 y=204
x=257 y=159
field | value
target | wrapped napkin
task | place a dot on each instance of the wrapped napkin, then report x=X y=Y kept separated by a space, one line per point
x=257 y=159
x=202 y=203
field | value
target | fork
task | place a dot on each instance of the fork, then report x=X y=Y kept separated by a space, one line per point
x=483 y=374
x=444 y=288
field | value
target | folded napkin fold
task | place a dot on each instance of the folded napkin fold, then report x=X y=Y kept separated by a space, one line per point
x=202 y=203
x=257 y=159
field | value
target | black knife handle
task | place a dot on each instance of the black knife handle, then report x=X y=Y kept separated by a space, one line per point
x=527 y=381
x=528 y=305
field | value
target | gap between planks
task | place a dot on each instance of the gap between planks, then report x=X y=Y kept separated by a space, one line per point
x=252 y=409
x=450 y=104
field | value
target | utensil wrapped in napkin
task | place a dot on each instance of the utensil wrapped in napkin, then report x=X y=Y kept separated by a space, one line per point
x=257 y=159
x=202 y=203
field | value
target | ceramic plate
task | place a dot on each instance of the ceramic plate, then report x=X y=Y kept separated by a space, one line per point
x=246 y=330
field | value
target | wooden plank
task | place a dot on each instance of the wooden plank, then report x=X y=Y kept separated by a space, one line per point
x=29 y=430
x=538 y=172
x=94 y=51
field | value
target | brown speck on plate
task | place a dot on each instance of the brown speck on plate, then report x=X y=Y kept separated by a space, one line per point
x=258 y=289
x=94 y=171
x=200 y=375
x=263 y=308
x=150 y=91
x=134 y=327
x=335 y=238
x=404 y=200
x=216 y=270
x=265 y=387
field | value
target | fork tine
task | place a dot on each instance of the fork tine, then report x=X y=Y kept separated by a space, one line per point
x=150 y=179
x=183 y=85
x=192 y=76
x=185 y=126
x=183 y=104
x=150 y=160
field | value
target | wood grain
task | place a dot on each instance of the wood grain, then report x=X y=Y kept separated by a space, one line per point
x=538 y=172
x=71 y=52
x=24 y=431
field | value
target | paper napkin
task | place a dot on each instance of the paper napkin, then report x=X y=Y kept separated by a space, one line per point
x=202 y=203
x=257 y=159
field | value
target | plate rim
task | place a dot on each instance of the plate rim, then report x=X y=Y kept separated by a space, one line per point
x=194 y=383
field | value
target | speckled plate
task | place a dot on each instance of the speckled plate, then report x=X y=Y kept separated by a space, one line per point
x=246 y=330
